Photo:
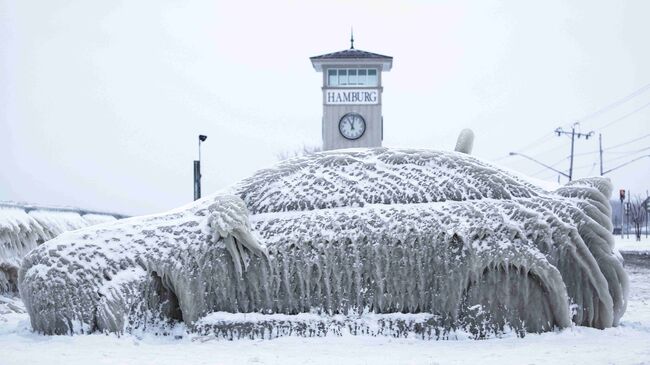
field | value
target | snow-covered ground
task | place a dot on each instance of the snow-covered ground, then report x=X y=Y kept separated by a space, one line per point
x=627 y=344
x=630 y=244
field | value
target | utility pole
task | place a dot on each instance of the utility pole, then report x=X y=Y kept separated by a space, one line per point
x=600 y=145
x=600 y=148
x=573 y=138
x=573 y=135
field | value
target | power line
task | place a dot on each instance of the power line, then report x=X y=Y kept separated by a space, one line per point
x=627 y=155
x=536 y=142
x=608 y=149
x=598 y=112
x=591 y=164
x=552 y=165
x=628 y=142
x=632 y=152
x=545 y=152
x=600 y=144
x=616 y=103
x=616 y=146
x=588 y=153
x=542 y=139
x=625 y=164
x=602 y=110
x=625 y=116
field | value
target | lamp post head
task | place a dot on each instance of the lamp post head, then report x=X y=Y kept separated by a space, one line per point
x=202 y=137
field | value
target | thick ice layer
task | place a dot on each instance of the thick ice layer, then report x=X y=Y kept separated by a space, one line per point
x=344 y=232
x=21 y=231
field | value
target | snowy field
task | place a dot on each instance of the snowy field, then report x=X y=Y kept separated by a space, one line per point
x=630 y=244
x=627 y=344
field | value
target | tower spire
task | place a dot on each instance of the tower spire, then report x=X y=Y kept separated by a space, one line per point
x=351 y=38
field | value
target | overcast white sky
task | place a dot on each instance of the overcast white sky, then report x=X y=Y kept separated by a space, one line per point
x=101 y=102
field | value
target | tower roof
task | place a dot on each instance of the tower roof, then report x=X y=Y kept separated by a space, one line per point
x=352 y=54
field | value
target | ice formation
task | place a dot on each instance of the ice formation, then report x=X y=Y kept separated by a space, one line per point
x=22 y=230
x=465 y=141
x=422 y=241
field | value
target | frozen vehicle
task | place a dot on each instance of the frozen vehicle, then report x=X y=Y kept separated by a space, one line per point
x=373 y=241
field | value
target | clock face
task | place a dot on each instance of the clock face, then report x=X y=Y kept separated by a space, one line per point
x=352 y=126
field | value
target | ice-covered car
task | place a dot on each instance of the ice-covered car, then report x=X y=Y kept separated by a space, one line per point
x=376 y=241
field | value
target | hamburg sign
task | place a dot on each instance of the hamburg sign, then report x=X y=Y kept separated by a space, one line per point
x=351 y=96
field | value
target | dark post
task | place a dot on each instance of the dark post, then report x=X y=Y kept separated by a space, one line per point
x=621 y=194
x=627 y=213
x=573 y=137
x=197 y=170
x=600 y=148
x=197 y=180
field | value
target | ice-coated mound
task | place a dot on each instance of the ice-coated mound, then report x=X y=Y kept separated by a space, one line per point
x=445 y=239
x=22 y=230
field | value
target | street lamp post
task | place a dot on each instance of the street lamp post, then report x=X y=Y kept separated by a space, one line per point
x=541 y=163
x=197 y=170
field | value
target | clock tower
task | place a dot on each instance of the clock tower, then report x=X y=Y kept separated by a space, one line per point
x=352 y=97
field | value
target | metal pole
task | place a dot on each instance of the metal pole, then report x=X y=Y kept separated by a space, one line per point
x=197 y=180
x=197 y=175
x=573 y=135
x=538 y=162
x=627 y=213
x=197 y=170
x=622 y=216
x=600 y=145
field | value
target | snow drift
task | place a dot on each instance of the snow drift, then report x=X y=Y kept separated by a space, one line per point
x=22 y=230
x=419 y=241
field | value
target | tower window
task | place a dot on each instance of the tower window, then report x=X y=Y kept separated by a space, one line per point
x=343 y=77
x=332 y=78
x=352 y=77
x=361 y=78
x=372 y=77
